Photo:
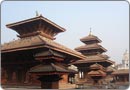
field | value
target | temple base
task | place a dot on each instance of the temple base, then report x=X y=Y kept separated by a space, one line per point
x=50 y=85
x=50 y=81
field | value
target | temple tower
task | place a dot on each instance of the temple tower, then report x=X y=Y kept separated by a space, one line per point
x=125 y=60
x=95 y=58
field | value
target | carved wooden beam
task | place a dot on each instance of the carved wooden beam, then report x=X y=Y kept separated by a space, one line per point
x=46 y=35
x=49 y=57
x=29 y=34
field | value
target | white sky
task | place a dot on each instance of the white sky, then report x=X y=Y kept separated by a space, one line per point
x=109 y=21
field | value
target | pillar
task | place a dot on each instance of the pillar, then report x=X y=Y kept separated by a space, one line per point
x=3 y=76
x=27 y=77
x=9 y=75
x=23 y=77
x=14 y=77
x=125 y=78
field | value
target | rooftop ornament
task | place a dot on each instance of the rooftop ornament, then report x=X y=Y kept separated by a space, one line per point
x=37 y=14
x=90 y=33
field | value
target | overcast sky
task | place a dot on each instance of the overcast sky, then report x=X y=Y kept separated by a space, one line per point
x=109 y=21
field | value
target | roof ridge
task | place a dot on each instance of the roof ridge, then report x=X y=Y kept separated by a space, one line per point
x=35 y=18
x=53 y=66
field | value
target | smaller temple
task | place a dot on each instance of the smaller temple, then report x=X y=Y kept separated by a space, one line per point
x=109 y=78
x=97 y=72
x=92 y=69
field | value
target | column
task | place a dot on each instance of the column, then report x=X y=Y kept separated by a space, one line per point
x=27 y=79
x=23 y=76
x=3 y=76
x=14 y=77
x=9 y=75
x=125 y=78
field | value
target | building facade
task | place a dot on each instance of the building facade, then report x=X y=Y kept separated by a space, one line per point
x=125 y=61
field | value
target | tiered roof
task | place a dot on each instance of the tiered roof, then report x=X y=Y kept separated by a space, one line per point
x=37 y=32
x=94 y=46
x=97 y=70
x=38 y=41
x=90 y=38
x=93 y=51
x=91 y=45
x=97 y=73
x=47 y=68
x=49 y=53
x=102 y=59
x=96 y=66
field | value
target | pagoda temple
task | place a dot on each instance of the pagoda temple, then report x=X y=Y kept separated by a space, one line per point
x=92 y=69
x=35 y=58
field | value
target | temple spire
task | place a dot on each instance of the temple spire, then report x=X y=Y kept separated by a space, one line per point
x=90 y=33
x=37 y=13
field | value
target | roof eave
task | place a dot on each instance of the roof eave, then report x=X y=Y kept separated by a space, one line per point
x=33 y=19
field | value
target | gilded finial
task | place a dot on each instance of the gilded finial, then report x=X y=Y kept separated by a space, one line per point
x=37 y=13
x=90 y=33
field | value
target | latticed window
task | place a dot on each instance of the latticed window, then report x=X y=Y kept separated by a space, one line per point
x=71 y=78
x=81 y=74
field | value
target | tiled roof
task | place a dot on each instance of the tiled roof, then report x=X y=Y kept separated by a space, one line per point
x=12 y=25
x=47 y=68
x=104 y=56
x=95 y=66
x=49 y=53
x=97 y=73
x=36 y=42
x=90 y=47
x=93 y=58
x=23 y=42
x=92 y=61
x=59 y=47
x=90 y=38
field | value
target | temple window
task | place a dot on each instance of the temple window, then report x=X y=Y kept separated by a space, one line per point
x=71 y=79
x=81 y=74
